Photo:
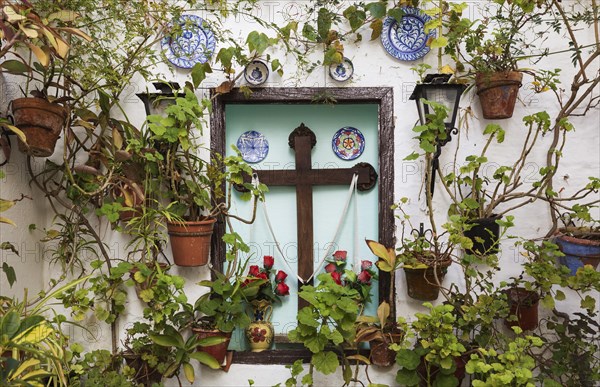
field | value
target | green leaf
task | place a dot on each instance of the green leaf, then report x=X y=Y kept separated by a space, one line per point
x=307 y=380
x=199 y=72
x=324 y=20
x=412 y=156
x=174 y=340
x=406 y=377
x=188 y=371
x=548 y=301
x=588 y=303
x=408 y=359
x=396 y=13
x=440 y=42
x=309 y=32
x=355 y=16
x=376 y=9
x=427 y=146
x=471 y=203
x=316 y=343
x=13 y=66
x=9 y=324
x=9 y=271
x=206 y=359
x=560 y=296
x=446 y=380
x=325 y=362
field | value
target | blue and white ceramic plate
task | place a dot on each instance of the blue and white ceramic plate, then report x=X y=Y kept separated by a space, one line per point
x=343 y=71
x=407 y=40
x=253 y=145
x=348 y=143
x=192 y=44
x=256 y=72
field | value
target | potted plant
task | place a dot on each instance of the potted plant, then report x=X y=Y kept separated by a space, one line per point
x=41 y=117
x=492 y=47
x=198 y=190
x=271 y=287
x=523 y=305
x=579 y=244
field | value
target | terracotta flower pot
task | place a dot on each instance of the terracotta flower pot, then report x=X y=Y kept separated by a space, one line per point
x=41 y=121
x=578 y=251
x=190 y=242
x=524 y=305
x=144 y=374
x=485 y=234
x=421 y=283
x=218 y=351
x=459 y=373
x=498 y=93
x=381 y=355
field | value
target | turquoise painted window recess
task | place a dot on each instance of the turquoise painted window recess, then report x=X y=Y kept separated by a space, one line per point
x=275 y=122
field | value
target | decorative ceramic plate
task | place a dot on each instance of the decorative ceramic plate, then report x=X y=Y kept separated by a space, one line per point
x=343 y=71
x=193 y=44
x=407 y=40
x=253 y=145
x=348 y=143
x=256 y=72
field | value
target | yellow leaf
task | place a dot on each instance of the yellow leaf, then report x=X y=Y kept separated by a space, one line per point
x=42 y=57
x=30 y=32
x=7 y=221
x=188 y=370
x=447 y=70
x=360 y=358
x=34 y=335
x=383 y=312
x=26 y=364
x=6 y=204
x=11 y=15
x=77 y=32
x=50 y=36
x=62 y=48
x=117 y=139
x=66 y=16
x=16 y=131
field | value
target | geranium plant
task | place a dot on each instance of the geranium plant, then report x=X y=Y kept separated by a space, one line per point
x=272 y=285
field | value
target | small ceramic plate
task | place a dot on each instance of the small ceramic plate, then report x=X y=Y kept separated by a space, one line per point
x=407 y=40
x=193 y=44
x=256 y=72
x=253 y=145
x=348 y=143
x=343 y=71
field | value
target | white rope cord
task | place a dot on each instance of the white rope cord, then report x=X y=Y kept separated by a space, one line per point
x=355 y=248
x=339 y=226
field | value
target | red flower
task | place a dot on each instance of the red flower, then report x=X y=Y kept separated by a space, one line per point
x=364 y=265
x=254 y=270
x=262 y=275
x=331 y=267
x=281 y=276
x=364 y=277
x=258 y=334
x=282 y=289
x=337 y=277
x=268 y=261
x=340 y=255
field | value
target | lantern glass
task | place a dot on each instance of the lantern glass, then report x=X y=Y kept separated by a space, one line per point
x=445 y=94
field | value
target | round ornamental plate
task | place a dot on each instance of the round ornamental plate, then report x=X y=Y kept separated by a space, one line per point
x=348 y=143
x=407 y=40
x=253 y=145
x=341 y=72
x=256 y=72
x=192 y=43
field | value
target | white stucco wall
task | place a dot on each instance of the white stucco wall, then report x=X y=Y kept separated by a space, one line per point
x=373 y=67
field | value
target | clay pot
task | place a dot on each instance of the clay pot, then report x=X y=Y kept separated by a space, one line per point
x=218 y=351
x=524 y=305
x=459 y=373
x=421 y=283
x=488 y=231
x=41 y=121
x=578 y=251
x=260 y=332
x=190 y=241
x=498 y=93
x=381 y=355
x=145 y=374
x=132 y=197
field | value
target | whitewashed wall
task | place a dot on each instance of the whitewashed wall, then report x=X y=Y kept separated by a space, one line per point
x=373 y=67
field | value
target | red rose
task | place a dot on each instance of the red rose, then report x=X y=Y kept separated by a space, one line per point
x=268 y=261
x=282 y=289
x=337 y=277
x=340 y=255
x=262 y=275
x=254 y=270
x=364 y=265
x=364 y=277
x=281 y=276
x=331 y=267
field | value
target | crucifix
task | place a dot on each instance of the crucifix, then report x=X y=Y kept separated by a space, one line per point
x=304 y=177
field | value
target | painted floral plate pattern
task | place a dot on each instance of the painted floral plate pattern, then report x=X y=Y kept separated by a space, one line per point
x=256 y=72
x=253 y=145
x=407 y=40
x=348 y=143
x=342 y=72
x=193 y=44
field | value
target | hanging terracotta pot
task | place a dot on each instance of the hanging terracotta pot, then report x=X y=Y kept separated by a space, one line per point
x=190 y=241
x=144 y=374
x=41 y=121
x=260 y=332
x=498 y=93
x=218 y=351
x=131 y=195
x=581 y=247
x=421 y=282
x=524 y=305
x=381 y=354
x=484 y=234
x=459 y=373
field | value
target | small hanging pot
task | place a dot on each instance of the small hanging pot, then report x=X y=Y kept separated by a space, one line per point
x=498 y=93
x=524 y=305
x=485 y=234
x=218 y=351
x=381 y=354
x=582 y=248
x=421 y=282
x=190 y=241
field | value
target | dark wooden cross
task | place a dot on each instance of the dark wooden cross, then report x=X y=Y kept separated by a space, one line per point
x=304 y=177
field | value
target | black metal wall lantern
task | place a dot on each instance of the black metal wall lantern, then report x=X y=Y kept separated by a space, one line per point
x=435 y=88
x=155 y=103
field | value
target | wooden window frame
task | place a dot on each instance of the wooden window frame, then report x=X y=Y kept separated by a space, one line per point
x=383 y=97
